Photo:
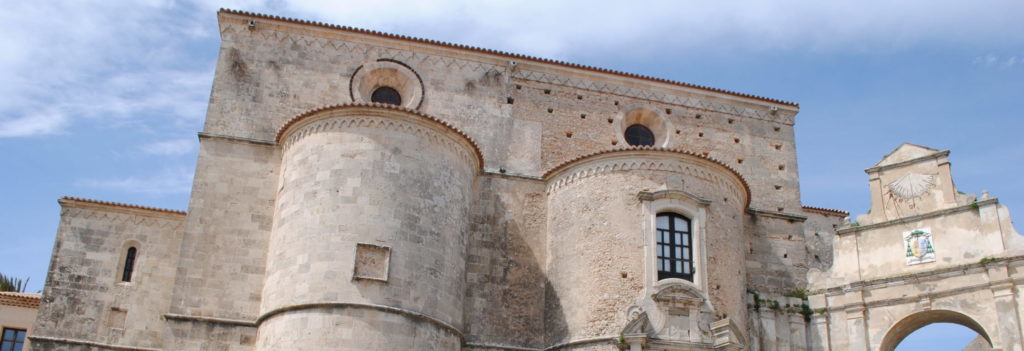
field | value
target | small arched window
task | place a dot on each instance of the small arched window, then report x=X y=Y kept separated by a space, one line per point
x=639 y=135
x=129 y=265
x=386 y=95
x=675 y=247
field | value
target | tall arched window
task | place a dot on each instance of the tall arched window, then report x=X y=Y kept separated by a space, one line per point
x=129 y=265
x=675 y=247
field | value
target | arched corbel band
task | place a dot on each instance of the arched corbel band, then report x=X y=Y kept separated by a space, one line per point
x=374 y=115
x=653 y=159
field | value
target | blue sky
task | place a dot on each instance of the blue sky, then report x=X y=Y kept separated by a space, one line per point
x=103 y=99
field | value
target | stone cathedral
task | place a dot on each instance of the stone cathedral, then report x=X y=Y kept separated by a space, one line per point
x=358 y=190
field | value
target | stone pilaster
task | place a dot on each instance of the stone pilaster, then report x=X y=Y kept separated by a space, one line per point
x=1003 y=294
x=856 y=328
x=797 y=333
x=819 y=339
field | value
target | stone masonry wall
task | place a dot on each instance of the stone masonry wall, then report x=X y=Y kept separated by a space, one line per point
x=596 y=247
x=526 y=118
x=85 y=297
x=392 y=181
x=495 y=255
x=505 y=263
x=226 y=231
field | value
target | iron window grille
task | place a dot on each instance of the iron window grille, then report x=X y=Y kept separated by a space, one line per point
x=675 y=247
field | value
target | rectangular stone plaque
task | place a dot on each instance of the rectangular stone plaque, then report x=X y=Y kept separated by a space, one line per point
x=116 y=318
x=372 y=262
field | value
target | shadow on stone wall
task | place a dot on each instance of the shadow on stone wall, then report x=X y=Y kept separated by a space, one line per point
x=509 y=300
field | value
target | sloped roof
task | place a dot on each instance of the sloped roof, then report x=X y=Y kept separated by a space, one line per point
x=69 y=199
x=826 y=211
x=17 y=299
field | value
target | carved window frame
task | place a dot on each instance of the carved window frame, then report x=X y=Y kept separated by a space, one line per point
x=687 y=205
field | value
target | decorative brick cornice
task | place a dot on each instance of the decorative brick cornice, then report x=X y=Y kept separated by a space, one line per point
x=681 y=154
x=377 y=107
x=503 y=54
x=68 y=200
x=826 y=211
x=18 y=299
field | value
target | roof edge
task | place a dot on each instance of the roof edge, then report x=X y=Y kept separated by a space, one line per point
x=69 y=199
x=506 y=54
x=825 y=211
x=937 y=154
x=20 y=299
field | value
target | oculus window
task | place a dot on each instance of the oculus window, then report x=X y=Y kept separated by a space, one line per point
x=386 y=95
x=639 y=135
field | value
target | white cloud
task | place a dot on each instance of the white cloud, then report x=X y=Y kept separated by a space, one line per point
x=164 y=182
x=92 y=60
x=1011 y=61
x=97 y=60
x=986 y=60
x=992 y=60
x=32 y=124
x=562 y=28
x=175 y=147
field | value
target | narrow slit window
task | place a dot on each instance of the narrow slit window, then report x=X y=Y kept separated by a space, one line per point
x=129 y=265
x=675 y=247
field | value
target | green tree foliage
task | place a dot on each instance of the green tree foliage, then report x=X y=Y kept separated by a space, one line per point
x=12 y=284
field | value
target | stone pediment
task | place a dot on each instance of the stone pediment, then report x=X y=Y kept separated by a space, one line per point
x=678 y=294
x=905 y=152
x=641 y=325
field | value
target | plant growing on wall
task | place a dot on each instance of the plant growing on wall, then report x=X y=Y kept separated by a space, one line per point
x=799 y=293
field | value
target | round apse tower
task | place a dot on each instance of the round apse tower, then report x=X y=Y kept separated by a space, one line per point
x=367 y=251
x=647 y=233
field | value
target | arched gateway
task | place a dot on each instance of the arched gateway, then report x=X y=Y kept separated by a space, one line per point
x=913 y=322
x=925 y=253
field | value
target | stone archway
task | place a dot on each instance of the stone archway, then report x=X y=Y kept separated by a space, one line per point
x=925 y=255
x=901 y=329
